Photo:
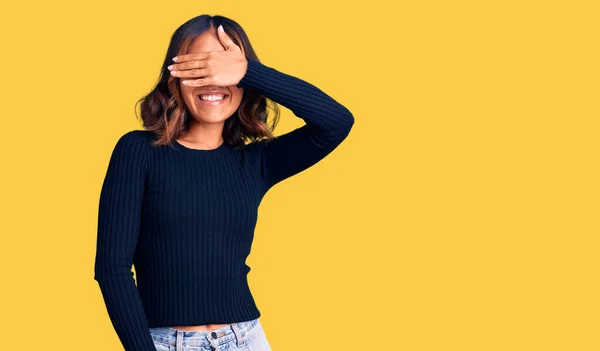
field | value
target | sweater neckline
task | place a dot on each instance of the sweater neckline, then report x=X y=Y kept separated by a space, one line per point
x=218 y=150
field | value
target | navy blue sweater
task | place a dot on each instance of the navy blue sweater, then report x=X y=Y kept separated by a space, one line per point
x=185 y=217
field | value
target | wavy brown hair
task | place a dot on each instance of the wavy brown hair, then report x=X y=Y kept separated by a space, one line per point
x=163 y=110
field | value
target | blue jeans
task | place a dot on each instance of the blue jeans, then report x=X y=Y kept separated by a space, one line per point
x=241 y=336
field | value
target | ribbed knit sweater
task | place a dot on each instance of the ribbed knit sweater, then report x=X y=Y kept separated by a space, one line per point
x=185 y=218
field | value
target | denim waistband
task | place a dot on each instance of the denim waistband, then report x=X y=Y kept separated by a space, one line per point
x=179 y=338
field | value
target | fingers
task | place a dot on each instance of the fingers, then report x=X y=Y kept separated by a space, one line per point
x=193 y=68
x=225 y=40
x=189 y=68
x=197 y=82
x=190 y=57
x=190 y=73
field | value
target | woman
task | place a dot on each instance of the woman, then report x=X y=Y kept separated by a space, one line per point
x=179 y=200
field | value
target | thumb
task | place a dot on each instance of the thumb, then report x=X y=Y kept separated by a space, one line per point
x=224 y=39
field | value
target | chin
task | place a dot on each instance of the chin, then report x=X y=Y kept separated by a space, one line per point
x=207 y=119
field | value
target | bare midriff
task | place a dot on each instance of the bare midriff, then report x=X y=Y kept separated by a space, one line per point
x=208 y=327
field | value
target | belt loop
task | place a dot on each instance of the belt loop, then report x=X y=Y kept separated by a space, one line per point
x=179 y=341
x=238 y=334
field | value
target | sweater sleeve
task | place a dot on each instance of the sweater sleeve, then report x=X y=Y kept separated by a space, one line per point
x=327 y=122
x=118 y=226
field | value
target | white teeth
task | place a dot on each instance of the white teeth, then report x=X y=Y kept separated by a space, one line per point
x=212 y=97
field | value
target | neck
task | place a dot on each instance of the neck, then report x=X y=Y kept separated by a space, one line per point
x=204 y=134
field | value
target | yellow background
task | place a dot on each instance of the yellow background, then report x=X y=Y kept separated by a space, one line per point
x=462 y=213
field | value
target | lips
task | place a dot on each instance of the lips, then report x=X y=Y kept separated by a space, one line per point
x=212 y=92
x=212 y=102
x=225 y=95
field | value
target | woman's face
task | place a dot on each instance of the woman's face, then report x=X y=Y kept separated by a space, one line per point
x=210 y=111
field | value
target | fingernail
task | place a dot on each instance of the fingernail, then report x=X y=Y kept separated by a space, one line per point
x=175 y=58
x=170 y=67
x=221 y=28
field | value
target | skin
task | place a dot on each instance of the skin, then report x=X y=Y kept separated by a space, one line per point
x=214 y=62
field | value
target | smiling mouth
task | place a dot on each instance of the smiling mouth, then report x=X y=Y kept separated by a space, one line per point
x=213 y=101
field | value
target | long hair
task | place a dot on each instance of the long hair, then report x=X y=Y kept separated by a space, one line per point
x=163 y=110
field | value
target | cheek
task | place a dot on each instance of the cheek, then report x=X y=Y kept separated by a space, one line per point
x=186 y=92
x=183 y=88
x=238 y=93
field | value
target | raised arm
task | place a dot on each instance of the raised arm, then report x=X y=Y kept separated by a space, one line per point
x=328 y=122
x=118 y=226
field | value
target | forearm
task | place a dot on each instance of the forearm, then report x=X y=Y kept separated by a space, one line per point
x=125 y=310
x=319 y=110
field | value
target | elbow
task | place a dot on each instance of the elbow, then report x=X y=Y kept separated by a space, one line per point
x=346 y=120
x=336 y=129
x=100 y=272
x=100 y=278
x=109 y=270
x=338 y=133
x=349 y=122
